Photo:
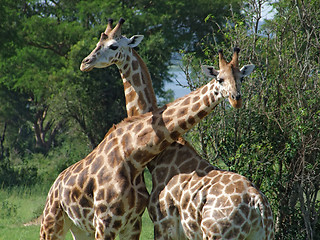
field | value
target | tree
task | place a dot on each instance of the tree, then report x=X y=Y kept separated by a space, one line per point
x=274 y=139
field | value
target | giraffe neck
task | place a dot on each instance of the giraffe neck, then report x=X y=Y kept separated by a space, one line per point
x=145 y=136
x=139 y=93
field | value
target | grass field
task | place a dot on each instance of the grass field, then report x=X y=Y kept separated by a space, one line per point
x=20 y=205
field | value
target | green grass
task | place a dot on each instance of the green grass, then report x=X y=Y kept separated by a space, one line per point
x=22 y=204
x=18 y=206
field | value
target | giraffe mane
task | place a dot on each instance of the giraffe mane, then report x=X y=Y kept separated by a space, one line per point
x=147 y=75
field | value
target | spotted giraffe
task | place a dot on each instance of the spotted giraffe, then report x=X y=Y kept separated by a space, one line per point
x=172 y=218
x=103 y=195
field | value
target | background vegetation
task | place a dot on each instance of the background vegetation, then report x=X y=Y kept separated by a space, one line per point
x=52 y=115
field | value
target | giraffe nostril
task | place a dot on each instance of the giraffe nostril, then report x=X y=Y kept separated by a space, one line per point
x=236 y=97
x=87 y=60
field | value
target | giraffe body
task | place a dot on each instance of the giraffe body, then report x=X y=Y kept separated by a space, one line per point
x=193 y=200
x=230 y=206
x=99 y=197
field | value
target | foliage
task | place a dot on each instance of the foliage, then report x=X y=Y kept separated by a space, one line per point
x=274 y=138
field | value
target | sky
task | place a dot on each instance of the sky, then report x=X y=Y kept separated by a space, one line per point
x=179 y=76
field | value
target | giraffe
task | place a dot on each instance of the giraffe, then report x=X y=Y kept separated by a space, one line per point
x=180 y=161
x=103 y=195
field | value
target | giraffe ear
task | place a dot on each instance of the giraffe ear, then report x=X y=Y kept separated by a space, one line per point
x=247 y=69
x=135 y=40
x=209 y=71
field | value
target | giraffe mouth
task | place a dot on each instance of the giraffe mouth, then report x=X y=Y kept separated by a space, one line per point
x=85 y=67
x=87 y=64
x=236 y=103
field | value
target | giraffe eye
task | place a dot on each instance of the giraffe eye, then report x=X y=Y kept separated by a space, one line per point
x=113 y=47
x=220 y=80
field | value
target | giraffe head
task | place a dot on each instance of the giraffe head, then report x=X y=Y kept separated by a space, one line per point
x=229 y=77
x=110 y=48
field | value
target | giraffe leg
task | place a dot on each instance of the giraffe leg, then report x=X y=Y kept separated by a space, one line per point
x=169 y=228
x=103 y=229
x=55 y=224
x=132 y=231
x=209 y=226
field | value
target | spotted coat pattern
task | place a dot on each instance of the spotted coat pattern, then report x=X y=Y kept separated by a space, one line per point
x=185 y=187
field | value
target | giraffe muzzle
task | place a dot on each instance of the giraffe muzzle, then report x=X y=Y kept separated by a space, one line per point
x=236 y=97
x=236 y=103
x=86 y=65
